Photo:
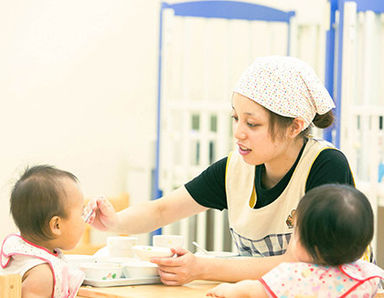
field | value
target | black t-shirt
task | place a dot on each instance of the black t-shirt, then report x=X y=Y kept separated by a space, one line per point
x=208 y=189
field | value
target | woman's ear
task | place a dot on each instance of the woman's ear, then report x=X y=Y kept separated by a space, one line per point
x=297 y=127
x=55 y=225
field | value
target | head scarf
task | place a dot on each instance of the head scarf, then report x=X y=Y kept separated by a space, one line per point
x=286 y=86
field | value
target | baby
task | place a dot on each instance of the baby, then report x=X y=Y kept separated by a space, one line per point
x=47 y=207
x=334 y=225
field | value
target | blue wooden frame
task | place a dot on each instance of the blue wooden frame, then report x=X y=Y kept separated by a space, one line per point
x=229 y=10
x=209 y=9
x=333 y=134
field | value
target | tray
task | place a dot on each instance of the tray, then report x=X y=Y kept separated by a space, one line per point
x=122 y=282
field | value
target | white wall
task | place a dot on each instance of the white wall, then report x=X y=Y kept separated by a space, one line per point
x=77 y=90
x=78 y=86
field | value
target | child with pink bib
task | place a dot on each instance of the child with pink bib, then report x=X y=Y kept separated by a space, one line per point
x=47 y=207
x=334 y=226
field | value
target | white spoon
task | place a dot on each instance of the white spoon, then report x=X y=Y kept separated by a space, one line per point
x=200 y=247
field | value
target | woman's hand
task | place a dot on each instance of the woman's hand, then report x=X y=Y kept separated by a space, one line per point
x=105 y=217
x=180 y=270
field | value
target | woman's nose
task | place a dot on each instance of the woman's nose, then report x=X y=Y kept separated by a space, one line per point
x=238 y=131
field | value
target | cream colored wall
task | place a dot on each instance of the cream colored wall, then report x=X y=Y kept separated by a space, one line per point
x=78 y=90
x=78 y=86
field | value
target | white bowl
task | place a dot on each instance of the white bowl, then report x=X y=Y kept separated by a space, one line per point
x=146 y=252
x=171 y=241
x=79 y=259
x=123 y=242
x=102 y=271
x=139 y=269
x=121 y=246
x=105 y=259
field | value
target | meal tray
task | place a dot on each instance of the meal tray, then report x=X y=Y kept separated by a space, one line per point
x=122 y=282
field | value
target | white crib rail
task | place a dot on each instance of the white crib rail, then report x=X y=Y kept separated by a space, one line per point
x=361 y=131
x=196 y=90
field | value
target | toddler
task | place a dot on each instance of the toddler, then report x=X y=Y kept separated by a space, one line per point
x=47 y=207
x=334 y=225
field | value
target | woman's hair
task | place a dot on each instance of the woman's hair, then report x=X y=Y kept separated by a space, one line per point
x=334 y=224
x=36 y=197
x=278 y=121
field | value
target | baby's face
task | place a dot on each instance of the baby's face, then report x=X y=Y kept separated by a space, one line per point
x=73 y=226
x=300 y=253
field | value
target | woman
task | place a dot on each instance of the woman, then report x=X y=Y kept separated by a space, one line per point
x=277 y=162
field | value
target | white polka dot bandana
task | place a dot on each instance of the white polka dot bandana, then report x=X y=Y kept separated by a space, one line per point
x=286 y=86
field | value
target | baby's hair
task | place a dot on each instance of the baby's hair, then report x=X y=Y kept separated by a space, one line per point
x=38 y=196
x=334 y=224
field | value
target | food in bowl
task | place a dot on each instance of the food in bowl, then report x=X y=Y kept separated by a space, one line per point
x=102 y=271
x=139 y=269
x=146 y=252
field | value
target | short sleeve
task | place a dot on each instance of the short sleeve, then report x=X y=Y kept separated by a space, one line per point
x=208 y=189
x=331 y=166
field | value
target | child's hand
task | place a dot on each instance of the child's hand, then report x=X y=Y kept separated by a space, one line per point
x=222 y=290
x=241 y=289
x=104 y=217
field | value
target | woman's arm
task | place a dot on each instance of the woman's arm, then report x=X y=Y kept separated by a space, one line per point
x=147 y=216
x=37 y=282
x=188 y=267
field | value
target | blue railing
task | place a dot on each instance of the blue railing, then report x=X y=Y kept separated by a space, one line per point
x=230 y=10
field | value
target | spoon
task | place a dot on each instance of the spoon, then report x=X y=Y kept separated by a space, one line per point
x=87 y=213
x=200 y=247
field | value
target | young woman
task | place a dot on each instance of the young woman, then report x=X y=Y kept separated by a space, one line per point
x=334 y=226
x=274 y=104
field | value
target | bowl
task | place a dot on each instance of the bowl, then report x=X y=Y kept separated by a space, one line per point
x=121 y=246
x=102 y=271
x=79 y=259
x=171 y=241
x=116 y=260
x=146 y=252
x=139 y=269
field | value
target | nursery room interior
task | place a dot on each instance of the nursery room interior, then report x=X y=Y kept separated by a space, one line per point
x=135 y=99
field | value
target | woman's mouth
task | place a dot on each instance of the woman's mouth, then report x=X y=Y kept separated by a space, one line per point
x=243 y=150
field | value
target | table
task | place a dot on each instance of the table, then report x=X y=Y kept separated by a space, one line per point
x=194 y=289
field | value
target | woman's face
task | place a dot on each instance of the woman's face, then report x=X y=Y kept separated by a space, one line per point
x=251 y=131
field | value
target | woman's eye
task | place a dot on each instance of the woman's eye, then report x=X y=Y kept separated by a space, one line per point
x=252 y=124
x=235 y=118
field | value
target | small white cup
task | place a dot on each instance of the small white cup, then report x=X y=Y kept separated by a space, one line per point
x=121 y=246
x=146 y=252
x=170 y=241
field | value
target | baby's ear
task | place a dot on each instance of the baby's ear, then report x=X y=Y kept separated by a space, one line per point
x=55 y=225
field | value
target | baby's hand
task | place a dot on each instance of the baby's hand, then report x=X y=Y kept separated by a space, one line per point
x=241 y=289
x=222 y=290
